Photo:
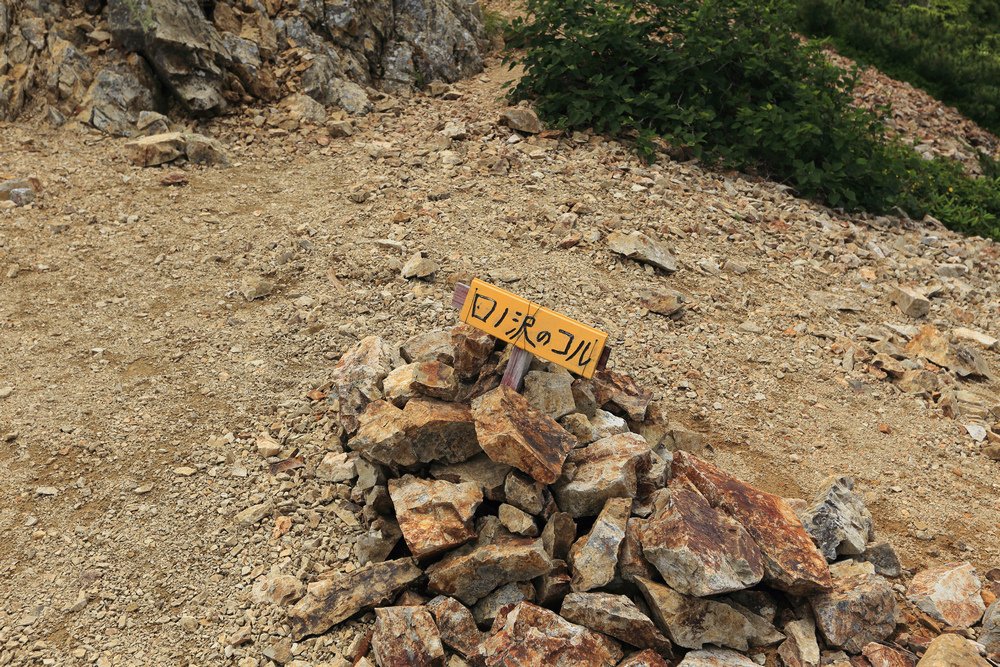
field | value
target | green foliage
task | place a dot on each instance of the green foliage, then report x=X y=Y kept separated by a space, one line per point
x=951 y=48
x=729 y=80
x=494 y=23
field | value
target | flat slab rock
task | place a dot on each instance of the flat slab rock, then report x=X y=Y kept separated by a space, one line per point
x=424 y=431
x=330 y=601
x=642 y=248
x=949 y=593
x=616 y=616
x=434 y=515
x=608 y=468
x=406 y=637
x=792 y=563
x=531 y=635
x=698 y=549
x=471 y=572
x=511 y=431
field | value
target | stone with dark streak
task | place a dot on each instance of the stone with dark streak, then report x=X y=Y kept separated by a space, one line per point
x=616 y=616
x=330 y=601
x=792 y=563
x=697 y=549
x=511 y=431
x=425 y=430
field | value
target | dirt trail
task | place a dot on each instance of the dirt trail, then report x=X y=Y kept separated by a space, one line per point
x=141 y=374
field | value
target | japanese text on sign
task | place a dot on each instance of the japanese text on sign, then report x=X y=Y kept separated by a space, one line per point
x=533 y=328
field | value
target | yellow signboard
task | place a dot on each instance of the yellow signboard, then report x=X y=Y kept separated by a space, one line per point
x=533 y=328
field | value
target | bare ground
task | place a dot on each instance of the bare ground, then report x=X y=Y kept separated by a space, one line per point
x=141 y=375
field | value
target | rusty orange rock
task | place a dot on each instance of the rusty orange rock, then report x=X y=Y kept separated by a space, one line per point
x=616 y=616
x=620 y=394
x=531 y=635
x=880 y=655
x=434 y=515
x=950 y=593
x=471 y=572
x=406 y=637
x=425 y=430
x=698 y=549
x=792 y=563
x=511 y=431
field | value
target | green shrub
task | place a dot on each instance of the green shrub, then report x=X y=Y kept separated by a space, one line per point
x=950 y=48
x=730 y=81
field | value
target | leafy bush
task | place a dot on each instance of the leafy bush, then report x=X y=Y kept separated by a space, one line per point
x=950 y=48
x=730 y=81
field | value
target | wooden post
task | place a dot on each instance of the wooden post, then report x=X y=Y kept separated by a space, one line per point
x=520 y=359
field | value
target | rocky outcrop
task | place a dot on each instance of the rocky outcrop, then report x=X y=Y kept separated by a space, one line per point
x=211 y=57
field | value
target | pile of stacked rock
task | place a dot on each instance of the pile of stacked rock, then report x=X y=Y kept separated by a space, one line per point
x=573 y=525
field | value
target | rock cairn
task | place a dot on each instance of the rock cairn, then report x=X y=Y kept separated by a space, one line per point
x=576 y=524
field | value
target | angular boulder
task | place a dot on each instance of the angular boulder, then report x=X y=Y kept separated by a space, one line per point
x=330 y=601
x=881 y=655
x=511 y=431
x=551 y=393
x=859 y=610
x=429 y=346
x=471 y=572
x=531 y=635
x=693 y=622
x=616 y=616
x=594 y=557
x=472 y=348
x=434 y=515
x=647 y=658
x=838 y=520
x=800 y=649
x=697 y=549
x=950 y=650
x=524 y=493
x=605 y=469
x=486 y=610
x=424 y=431
x=558 y=535
x=406 y=636
x=456 y=625
x=990 y=634
x=949 y=593
x=156 y=149
x=425 y=378
x=792 y=563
